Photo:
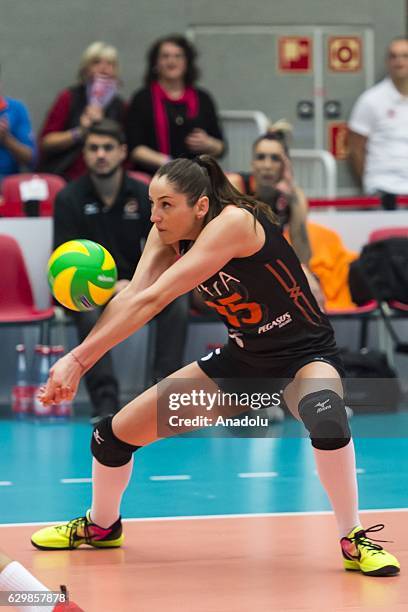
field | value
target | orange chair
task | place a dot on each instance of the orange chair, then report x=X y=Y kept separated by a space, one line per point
x=26 y=195
x=16 y=298
x=330 y=262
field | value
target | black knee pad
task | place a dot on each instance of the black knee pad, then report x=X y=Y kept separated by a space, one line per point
x=107 y=448
x=324 y=415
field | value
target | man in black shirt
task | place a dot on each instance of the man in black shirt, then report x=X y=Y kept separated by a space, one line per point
x=108 y=206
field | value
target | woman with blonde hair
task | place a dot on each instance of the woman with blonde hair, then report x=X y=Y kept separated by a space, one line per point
x=76 y=108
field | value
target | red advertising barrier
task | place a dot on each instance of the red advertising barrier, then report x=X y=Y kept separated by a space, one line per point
x=356 y=202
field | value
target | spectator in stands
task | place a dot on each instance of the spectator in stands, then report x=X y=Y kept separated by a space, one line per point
x=109 y=207
x=16 y=137
x=272 y=181
x=378 y=137
x=170 y=116
x=77 y=108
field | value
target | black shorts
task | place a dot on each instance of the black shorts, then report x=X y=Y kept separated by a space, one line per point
x=227 y=370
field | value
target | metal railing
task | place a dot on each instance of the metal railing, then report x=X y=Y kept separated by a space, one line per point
x=315 y=170
x=241 y=129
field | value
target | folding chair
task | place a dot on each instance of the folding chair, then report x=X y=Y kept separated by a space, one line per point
x=16 y=298
x=30 y=195
x=328 y=247
x=388 y=232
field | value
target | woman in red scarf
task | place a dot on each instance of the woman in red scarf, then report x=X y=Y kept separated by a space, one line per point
x=170 y=117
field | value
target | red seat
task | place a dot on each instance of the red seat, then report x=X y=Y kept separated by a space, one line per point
x=401 y=306
x=388 y=232
x=139 y=176
x=364 y=309
x=20 y=188
x=365 y=313
x=16 y=298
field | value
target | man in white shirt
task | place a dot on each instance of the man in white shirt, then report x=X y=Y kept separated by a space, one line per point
x=378 y=138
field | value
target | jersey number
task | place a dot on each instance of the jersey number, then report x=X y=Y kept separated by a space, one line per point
x=246 y=312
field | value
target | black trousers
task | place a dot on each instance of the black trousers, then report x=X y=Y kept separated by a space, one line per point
x=169 y=342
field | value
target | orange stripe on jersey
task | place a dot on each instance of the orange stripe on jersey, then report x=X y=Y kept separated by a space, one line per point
x=294 y=291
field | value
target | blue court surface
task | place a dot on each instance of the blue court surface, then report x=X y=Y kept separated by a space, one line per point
x=46 y=468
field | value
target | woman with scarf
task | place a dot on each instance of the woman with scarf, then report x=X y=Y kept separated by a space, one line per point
x=171 y=117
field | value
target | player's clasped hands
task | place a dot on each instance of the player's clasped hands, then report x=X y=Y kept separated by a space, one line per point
x=63 y=381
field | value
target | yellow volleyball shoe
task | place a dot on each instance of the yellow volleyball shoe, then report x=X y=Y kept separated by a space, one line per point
x=71 y=535
x=361 y=553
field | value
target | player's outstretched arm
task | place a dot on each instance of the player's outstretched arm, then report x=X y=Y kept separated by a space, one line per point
x=229 y=235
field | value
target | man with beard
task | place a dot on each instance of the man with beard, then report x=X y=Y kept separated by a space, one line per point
x=109 y=207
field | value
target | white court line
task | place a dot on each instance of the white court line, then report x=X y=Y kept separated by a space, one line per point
x=182 y=477
x=175 y=477
x=5 y=483
x=258 y=474
x=205 y=517
x=75 y=480
x=155 y=478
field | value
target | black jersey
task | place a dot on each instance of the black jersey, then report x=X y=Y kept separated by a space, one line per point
x=267 y=305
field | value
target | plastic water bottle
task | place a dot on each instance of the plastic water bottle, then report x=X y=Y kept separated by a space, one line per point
x=21 y=392
x=41 y=377
x=63 y=409
x=35 y=370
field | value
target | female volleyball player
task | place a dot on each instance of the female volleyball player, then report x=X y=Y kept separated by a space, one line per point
x=233 y=252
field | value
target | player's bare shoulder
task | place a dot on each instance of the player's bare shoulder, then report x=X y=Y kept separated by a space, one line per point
x=242 y=227
x=234 y=219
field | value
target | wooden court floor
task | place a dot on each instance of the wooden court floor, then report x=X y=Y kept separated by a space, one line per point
x=222 y=564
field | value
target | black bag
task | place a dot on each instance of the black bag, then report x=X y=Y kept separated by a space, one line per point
x=371 y=384
x=381 y=272
x=360 y=290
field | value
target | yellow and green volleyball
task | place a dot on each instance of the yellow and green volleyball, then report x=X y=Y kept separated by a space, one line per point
x=81 y=274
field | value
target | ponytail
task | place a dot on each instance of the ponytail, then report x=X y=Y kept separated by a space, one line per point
x=203 y=176
x=224 y=193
